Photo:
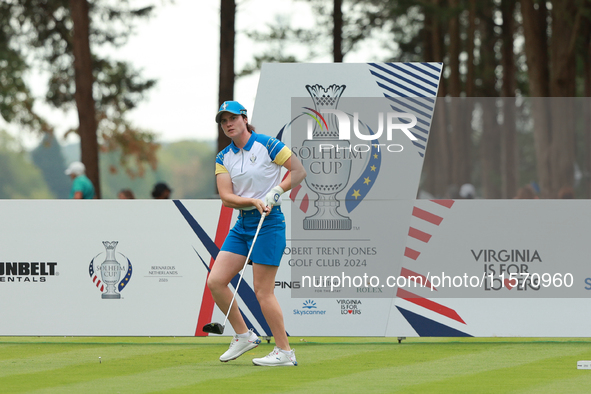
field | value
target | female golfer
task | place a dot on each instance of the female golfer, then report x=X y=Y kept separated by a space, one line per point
x=248 y=176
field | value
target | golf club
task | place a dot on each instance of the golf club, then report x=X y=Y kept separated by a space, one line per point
x=217 y=328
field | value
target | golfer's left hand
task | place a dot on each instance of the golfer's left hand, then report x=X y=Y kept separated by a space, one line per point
x=273 y=196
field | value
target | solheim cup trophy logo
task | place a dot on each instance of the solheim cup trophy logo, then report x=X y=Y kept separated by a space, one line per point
x=110 y=272
x=328 y=171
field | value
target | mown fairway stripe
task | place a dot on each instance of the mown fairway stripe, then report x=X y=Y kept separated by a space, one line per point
x=415 y=377
x=81 y=364
x=329 y=369
x=546 y=369
x=347 y=368
x=578 y=384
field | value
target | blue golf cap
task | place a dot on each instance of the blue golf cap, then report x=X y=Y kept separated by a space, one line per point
x=233 y=107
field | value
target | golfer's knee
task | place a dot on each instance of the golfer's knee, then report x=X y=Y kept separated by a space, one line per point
x=263 y=296
x=214 y=283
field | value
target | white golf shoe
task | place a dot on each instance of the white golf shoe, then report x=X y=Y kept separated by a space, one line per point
x=239 y=346
x=277 y=358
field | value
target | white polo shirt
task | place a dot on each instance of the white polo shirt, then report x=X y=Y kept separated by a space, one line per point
x=256 y=168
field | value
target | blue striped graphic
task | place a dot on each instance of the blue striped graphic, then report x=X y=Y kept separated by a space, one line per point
x=416 y=85
x=412 y=88
x=398 y=85
x=244 y=291
x=235 y=283
x=429 y=328
x=426 y=81
x=438 y=69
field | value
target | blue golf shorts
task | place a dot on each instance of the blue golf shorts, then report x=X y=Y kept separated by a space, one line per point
x=270 y=243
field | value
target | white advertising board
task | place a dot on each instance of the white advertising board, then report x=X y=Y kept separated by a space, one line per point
x=52 y=252
x=364 y=257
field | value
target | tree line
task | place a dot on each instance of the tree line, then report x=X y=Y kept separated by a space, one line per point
x=505 y=49
x=57 y=36
x=39 y=173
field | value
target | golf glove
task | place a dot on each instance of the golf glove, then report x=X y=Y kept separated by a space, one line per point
x=273 y=196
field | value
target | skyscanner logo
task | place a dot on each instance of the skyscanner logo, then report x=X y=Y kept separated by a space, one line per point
x=309 y=308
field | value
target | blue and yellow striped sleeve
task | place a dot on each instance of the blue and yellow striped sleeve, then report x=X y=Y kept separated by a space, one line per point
x=282 y=156
x=219 y=164
x=278 y=151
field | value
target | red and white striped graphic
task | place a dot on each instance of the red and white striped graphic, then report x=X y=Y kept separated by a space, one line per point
x=303 y=200
x=420 y=232
x=426 y=217
x=98 y=283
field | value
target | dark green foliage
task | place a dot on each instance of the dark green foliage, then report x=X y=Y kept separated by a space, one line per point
x=44 y=28
x=16 y=102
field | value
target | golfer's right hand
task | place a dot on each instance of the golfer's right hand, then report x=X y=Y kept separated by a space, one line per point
x=260 y=206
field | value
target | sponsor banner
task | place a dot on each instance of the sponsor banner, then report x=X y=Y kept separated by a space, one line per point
x=344 y=316
x=363 y=257
x=495 y=268
x=499 y=248
x=101 y=268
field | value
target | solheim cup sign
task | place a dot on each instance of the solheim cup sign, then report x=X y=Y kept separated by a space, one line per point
x=360 y=131
x=328 y=173
x=328 y=152
x=360 y=155
x=107 y=277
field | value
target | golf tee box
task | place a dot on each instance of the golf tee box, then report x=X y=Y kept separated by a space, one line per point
x=583 y=364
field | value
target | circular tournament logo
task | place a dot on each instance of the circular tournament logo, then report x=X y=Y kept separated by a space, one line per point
x=107 y=275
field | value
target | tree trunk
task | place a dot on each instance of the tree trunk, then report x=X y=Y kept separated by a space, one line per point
x=427 y=36
x=437 y=156
x=84 y=99
x=536 y=45
x=509 y=152
x=227 y=37
x=587 y=106
x=490 y=144
x=437 y=168
x=470 y=76
x=565 y=30
x=429 y=164
x=337 y=32
x=444 y=169
x=460 y=138
x=536 y=51
x=455 y=85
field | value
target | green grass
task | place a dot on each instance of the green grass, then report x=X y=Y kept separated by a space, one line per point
x=327 y=365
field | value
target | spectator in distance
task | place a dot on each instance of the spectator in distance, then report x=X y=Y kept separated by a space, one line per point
x=526 y=192
x=566 y=192
x=161 y=191
x=82 y=187
x=125 y=194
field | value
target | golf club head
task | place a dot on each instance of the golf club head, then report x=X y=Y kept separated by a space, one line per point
x=213 y=328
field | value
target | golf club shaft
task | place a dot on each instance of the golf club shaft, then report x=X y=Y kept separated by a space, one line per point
x=244 y=268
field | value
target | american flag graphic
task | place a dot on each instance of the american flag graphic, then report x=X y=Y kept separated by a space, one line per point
x=425 y=220
x=94 y=276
